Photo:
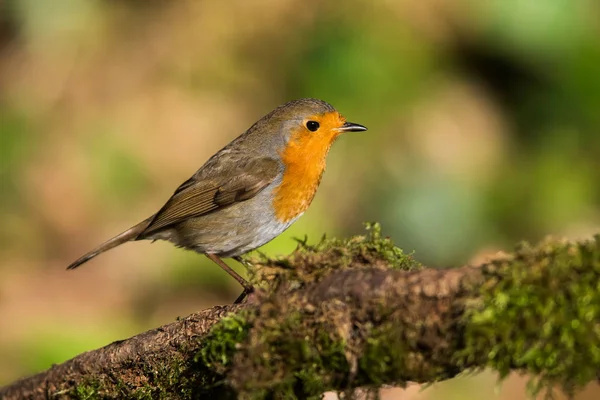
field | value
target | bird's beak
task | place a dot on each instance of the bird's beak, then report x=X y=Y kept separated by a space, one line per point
x=351 y=127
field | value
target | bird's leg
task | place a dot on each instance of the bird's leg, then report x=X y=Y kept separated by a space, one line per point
x=248 y=288
x=245 y=293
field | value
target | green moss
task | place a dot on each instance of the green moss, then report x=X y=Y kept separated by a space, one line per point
x=383 y=358
x=309 y=263
x=294 y=357
x=183 y=378
x=538 y=314
x=290 y=349
x=223 y=340
x=307 y=354
x=87 y=390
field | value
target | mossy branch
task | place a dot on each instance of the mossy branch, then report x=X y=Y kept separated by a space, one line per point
x=356 y=313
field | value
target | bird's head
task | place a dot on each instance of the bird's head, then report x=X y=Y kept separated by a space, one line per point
x=312 y=121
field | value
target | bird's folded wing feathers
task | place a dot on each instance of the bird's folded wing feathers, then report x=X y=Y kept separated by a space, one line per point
x=199 y=196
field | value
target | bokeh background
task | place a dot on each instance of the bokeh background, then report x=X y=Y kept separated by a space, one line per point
x=483 y=124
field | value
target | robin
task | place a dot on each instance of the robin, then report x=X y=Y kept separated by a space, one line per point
x=250 y=191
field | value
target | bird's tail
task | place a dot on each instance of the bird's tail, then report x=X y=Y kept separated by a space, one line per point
x=129 y=235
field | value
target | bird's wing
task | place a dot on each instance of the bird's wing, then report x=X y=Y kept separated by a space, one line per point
x=200 y=195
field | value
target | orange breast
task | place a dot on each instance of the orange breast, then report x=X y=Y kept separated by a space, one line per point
x=304 y=160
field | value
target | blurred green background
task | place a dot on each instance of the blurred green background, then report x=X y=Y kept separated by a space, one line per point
x=483 y=124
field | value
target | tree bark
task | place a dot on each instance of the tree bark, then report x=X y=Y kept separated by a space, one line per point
x=124 y=360
x=364 y=325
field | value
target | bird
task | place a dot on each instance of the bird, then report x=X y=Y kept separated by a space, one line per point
x=250 y=191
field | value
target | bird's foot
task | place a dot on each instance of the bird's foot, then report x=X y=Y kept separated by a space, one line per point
x=247 y=291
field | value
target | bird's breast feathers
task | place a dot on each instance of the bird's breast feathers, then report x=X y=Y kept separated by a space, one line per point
x=304 y=164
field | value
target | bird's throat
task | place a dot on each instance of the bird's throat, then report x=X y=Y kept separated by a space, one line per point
x=304 y=159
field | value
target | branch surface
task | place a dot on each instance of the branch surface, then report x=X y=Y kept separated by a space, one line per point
x=128 y=363
x=359 y=313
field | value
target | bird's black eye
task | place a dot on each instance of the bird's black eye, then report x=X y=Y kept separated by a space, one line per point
x=312 y=126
